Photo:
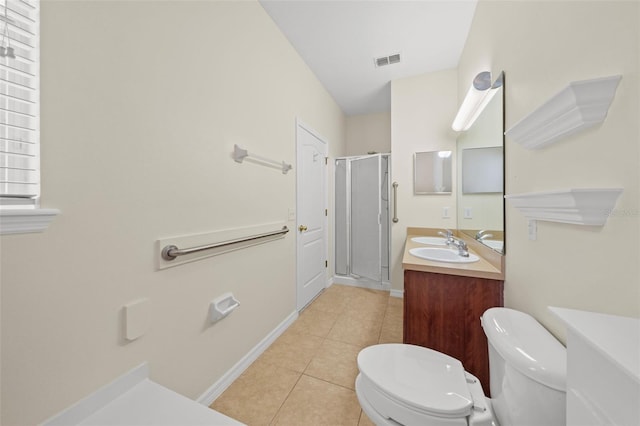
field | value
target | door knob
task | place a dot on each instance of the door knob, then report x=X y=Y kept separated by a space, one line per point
x=302 y=228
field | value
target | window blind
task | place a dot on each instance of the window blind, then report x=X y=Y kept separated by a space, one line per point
x=19 y=101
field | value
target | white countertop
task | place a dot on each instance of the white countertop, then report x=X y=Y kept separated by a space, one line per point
x=134 y=399
x=617 y=338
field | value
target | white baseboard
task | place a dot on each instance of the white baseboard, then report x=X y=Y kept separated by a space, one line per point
x=396 y=293
x=228 y=378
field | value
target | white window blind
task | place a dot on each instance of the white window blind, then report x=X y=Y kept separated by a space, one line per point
x=19 y=102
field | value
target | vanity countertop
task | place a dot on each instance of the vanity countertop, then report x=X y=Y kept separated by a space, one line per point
x=483 y=268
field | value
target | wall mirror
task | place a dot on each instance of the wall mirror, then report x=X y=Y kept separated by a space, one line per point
x=432 y=172
x=480 y=172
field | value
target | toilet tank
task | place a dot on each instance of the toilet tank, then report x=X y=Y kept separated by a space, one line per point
x=528 y=370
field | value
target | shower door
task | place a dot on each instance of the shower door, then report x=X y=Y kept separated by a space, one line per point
x=366 y=230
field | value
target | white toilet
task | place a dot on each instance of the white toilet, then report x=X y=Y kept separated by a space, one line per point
x=402 y=384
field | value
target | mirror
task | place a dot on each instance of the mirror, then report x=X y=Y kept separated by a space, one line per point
x=432 y=172
x=480 y=172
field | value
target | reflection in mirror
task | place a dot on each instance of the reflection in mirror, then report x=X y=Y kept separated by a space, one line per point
x=482 y=170
x=480 y=196
x=432 y=172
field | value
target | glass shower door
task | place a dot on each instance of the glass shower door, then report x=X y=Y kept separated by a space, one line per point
x=365 y=218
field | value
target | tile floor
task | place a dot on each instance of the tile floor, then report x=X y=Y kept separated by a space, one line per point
x=306 y=377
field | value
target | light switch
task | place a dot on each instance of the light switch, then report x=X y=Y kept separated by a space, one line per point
x=445 y=213
x=468 y=213
x=137 y=318
x=533 y=230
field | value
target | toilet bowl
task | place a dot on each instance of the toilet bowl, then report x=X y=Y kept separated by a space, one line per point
x=411 y=385
x=401 y=384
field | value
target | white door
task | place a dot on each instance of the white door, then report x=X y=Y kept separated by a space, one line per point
x=366 y=232
x=311 y=217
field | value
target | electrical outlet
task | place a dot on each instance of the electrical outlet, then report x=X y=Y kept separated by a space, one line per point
x=291 y=215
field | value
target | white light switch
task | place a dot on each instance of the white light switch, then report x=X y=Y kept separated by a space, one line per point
x=533 y=230
x=137 y=318
x=445 y=213
x=291 y=215
x=468 y=213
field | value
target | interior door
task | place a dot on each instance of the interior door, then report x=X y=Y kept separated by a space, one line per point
x=366 y=233
x=311 y=217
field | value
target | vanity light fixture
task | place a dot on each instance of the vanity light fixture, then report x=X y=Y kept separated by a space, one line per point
x=444 y=154
x=478 y=96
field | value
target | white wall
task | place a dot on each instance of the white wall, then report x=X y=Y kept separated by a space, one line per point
x=369 y=132
x=542 y=46
x=422 y=110
x=141 y=105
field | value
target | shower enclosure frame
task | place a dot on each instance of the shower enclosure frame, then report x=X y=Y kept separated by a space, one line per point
x=370 y=271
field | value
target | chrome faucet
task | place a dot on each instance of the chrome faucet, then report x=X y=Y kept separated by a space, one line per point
x=448 y=234
x=463 y=250
x=482 y=235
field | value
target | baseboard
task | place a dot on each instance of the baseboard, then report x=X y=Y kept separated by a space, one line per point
x=361 y=282
x=230 y=376
x=329 y=282
x=396 y=293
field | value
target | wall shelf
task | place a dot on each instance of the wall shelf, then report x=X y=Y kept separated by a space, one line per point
x=580 y=105
x=586 y=206
x=24 y=221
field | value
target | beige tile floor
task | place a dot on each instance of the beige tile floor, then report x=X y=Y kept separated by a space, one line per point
x=306 y=377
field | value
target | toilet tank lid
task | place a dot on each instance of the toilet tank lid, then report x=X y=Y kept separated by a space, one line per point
x=527 y=346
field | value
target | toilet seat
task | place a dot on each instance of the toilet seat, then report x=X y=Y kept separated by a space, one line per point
x=415 y=385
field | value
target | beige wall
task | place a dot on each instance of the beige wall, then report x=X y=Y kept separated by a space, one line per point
x=422 y=110
x=141 y=105
x=542 y=46
x=369 y=132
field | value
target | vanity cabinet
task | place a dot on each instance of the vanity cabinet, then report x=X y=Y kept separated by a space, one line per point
x=442 y=312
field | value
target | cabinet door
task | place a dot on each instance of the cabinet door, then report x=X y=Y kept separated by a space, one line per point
x=442 y=312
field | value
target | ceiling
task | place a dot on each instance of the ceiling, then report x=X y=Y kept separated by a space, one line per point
x=339 y=41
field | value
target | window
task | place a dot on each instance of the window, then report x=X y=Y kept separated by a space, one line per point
x=19 y=113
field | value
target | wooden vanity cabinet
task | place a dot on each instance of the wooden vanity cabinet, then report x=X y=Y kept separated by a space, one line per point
x=442 y=312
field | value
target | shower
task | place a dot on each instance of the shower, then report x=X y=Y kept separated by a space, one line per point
x=362 y=220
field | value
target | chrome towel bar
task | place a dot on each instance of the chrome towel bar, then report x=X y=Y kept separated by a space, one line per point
x=240 y=154
x=170 y=252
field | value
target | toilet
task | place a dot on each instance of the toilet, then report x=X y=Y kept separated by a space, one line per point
x=401 y=384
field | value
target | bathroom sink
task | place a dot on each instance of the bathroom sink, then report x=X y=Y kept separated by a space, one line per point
x=436 y=241
x=442 y=255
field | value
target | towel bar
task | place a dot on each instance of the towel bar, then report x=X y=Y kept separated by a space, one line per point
x=170 y=252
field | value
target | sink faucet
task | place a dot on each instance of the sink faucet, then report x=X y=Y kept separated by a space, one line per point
x=482 y=235
x=448 y=234
x=463 y=250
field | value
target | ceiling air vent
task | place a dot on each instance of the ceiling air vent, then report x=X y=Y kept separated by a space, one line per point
x=387 y=60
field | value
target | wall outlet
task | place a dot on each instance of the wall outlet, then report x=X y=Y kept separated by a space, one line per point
x=291 y=214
